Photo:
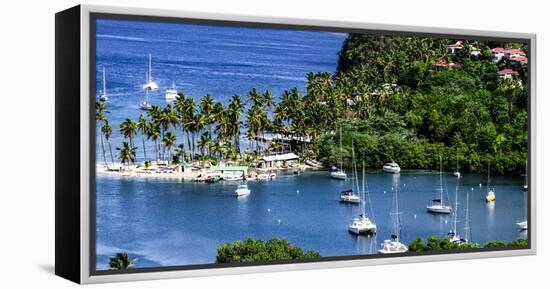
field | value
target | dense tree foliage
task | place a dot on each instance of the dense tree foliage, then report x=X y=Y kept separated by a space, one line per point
x=251 y=250
x=434 y=243
x=121 y=261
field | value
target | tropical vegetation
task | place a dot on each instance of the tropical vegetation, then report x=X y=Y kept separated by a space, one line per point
x=435 y=243
x=252 y=250
x=121 y=261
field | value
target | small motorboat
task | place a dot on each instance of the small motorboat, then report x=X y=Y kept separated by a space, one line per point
x=349 y=197
x=242 y=190
x=392 y=168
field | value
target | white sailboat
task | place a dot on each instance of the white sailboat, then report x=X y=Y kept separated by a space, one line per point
x=150 y=84
x=103 y=96
x=171 y=93
x=339 y=173
x=145 y=105
x=393 y=245
x=467 y=228
x=491 y=194
x=524 y=225
x=453 y=235
x=457 y=172
x=438 y=205
x=362 y=224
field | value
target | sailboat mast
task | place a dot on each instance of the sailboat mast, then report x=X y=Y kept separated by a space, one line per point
x=489 y=177
x=341 y=158
x=104 y=84
x=441 y=180
x=149 y=78
x=455 y=217
x=467 y=219
x=363 y=197
x=396 y=221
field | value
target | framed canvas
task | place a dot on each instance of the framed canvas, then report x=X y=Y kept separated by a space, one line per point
x=192 y=144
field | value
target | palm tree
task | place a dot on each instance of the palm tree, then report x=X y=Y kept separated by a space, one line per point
x=128 y=129
x=143 y=125
x=169 y=141
x=100 y=108
x=207 y=111
x=235 y=110
x=153 y=132
x=107 y=130
x=121 y=261
x=127 y=154
x=204 y=143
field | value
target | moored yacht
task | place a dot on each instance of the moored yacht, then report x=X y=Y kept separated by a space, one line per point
x=150 y=84
x=392 y=167
x=339 y=173
x=171 y=93
x=145 y=105
x=438 y=205
x=103 y=96
x=242 y=190
x=453 y=234
x=348 y=196
x=362 y=224
x=491 y=194
x=393 y=245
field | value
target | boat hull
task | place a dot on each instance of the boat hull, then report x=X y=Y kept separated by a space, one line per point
x=338 y=175
x=391 y=170
x=439 y=209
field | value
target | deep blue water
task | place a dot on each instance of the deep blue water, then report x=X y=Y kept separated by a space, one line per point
x=218 y=60
x=168 y=222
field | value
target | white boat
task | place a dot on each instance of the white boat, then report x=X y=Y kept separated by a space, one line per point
x=242 y=190
x=313 y=163
x=339 y=173
x=453 y=235
x=171 y=94
x=103 y=96
x=362 y=224
x=491 y=194
x=393 y=245
x=467 y=229
x=392 y=168
x=145 y=105
x=272 y=176
x=264 y=177
x=522 y=225
x=348 y=196
x=232 y=177
x=438 y=205
x=150 y=84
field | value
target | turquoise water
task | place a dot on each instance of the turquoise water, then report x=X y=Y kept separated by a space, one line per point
x=166 y=222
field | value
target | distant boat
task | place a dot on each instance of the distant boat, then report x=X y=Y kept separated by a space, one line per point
x=392 y=168
x=393 y=245
x=242 y=190
x=438 y=205
x=523 y=225
x=491 y=194
x=457 y=172
x=150 y=84
x=171 y=93
x=103 y=96
x=232 y=177
x=339 y=173
x=467 y=229
x=266 y=176
x=348 y=196
x=453 y=235
x=145 y=105
x=362 y=224
x=313 y=163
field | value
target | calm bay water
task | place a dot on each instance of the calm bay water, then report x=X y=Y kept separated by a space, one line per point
x=216 y=60
x=169 y=222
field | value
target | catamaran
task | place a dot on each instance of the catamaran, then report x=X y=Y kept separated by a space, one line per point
x=362 y=224
x=171 y=93
x=393 y=245
x=438 y=205
x=103 y=96
x=150 y=84
x=392 y=168
x=339 y=173
x=491 y=195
